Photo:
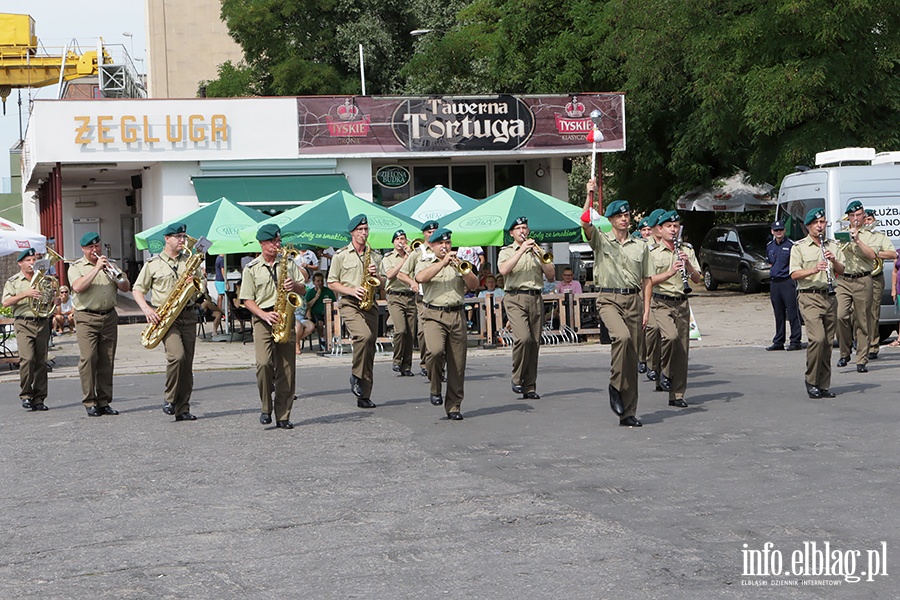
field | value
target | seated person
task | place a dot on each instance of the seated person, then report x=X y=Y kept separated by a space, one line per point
x=65 y=312
x=239 y=312
x=315 y=299
x=302 y=325
x=568 y=283
x=490 y=287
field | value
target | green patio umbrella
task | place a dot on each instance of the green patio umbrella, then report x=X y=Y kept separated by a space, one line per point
x=220 y=222
x=323 y=222
x=549 y=219
x=434 y=204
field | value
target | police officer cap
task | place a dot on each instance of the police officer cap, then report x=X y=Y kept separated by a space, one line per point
x=88 y=239
x=357 y=221
x=671 y=216
x=441 y=235
x=25 y=254
x=778 y=226
x=268 y=232
x=814 y=214
x=652 y=217
x=174 y=228
x=430 y=225
x=518 y=221
x=617 y=207
x=853 y=207
x=397 y=234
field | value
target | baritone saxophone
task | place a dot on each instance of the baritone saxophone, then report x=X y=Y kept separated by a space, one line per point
x=187 y=287
x=285 y=302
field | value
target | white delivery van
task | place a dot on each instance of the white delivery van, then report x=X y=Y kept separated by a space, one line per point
x=840 y=177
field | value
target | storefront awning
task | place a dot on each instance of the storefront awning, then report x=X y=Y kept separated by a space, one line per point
x=269 y=188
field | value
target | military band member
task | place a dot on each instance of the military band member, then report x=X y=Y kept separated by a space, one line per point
x=523 y=276
x=96 y=290
x=444 y=288
x=854 y=292
x=885 y=251
x=668 y=302
x=650 y=335
x=276 y=364
x=346 y=278
x=159 y=276
x=643 y=232
x=408 y=276
x=401 y=303
x=621 y=270
x=32 y=333
x=813 y=267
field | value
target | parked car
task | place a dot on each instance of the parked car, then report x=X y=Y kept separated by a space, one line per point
x=735 y=254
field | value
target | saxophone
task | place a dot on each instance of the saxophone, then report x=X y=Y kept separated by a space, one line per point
x=369 y=283
x=188 y=286
x=285 y=302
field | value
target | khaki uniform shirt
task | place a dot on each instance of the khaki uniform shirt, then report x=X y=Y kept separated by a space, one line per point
x=806 y=254
x=347 y=266
x=259 y=281
x=662 y=259
x=619 y=265
x=856 y=263
x=159 y=276
x=424 y=252
x=102 y=294
x=526 y=275
x=391 y=260
x=879 y=242
x=446 y=289
x=15 y=285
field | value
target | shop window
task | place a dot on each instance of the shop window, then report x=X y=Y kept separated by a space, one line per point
x=425 y=178
x=506 y=176
x=470 y=180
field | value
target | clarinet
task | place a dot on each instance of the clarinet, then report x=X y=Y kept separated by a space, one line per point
x=831 y=291
x=685 y=280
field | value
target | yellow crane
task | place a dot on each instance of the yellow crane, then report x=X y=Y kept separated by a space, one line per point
x=22 y=67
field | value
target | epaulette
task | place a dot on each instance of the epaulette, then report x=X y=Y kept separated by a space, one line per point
x=253 y=262
x=651 y=245
x=341 y=249
x=686 y=245
x=13 y=277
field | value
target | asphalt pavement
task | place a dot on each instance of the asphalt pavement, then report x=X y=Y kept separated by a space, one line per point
x=523 y=499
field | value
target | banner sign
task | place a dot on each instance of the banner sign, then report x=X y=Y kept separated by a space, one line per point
x=451 y=125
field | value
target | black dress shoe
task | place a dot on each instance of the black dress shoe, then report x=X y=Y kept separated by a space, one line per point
x=39 y=406
x=26 y=404
x=843 y=361
x=436 y=399
x=794 y=347
x=185 y=416
x=862 y=369
x=423 y=372
x=168 y=408
x=678 y=402
x=284 y=424
x=873 y=356
x=652 y=375
x=265 y=419
x=93 y=411
x=406 y=373
x=813 y=392
x=355 y=387
x=665 y=383
x=827 y=393
x=517 y=389
x=615 y=401
x=107 y=410
x=395 y=368
x=642 y=367
x=365 y=403
x=531 y=396
x=454 y=416
x=775 y=347
x=630 y=422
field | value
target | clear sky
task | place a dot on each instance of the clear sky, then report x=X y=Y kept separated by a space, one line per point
x=57 y=23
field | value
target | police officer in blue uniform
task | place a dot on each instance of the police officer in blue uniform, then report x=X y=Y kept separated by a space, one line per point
x=783 y=289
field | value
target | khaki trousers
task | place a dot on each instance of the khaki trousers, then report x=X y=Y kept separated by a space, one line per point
x=621 y=313
x=33 y=339
x=276 y=370
x=363 y=328
x=420 y=335
x=403 y=315
x=854 y=298
x=673 y=320
x=97 y=337
x=179 y=343
x=875 y=313
x=445 y=334
x=650 y=337
x=819 y=313
x=526 y=317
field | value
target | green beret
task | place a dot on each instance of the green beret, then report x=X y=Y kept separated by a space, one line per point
x=670 y=216
x=617 y=207
x=175 y=229
x=397 y=234
x=430 y=225
x=814 y=214
x=440 y=235
x=88 y=239
x=652 y=217
x=268 y=232
x=645 y=222
x=25 y=254
x=636 y=233
x=518 y=221
x=356 y=222
x=870 y=212
x=853 y=207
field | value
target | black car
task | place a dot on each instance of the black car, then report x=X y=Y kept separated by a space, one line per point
x=735 y=254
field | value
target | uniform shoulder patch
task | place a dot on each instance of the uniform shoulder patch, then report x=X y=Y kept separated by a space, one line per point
x=253 y=262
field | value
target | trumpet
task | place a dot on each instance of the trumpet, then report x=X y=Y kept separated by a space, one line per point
x=463 y=266
x=545 y=257
x=115 y=274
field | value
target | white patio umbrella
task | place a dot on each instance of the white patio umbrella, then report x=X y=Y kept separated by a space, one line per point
x=15 y=238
